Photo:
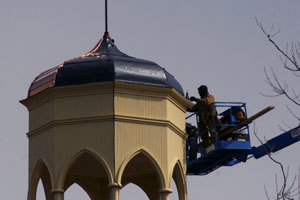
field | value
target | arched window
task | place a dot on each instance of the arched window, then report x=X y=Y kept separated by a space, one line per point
x=40 y=182
x=143 y=171
x=76 y=192
x=87 y=173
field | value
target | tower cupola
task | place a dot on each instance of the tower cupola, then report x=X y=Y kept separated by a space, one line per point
x=104 y=120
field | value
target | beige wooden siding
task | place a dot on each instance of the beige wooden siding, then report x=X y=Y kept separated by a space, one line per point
x=134 y=105
x=41 y=147
x=41 y=115
x=84 y=106
x=71 y=139
x=131 y=137
x=175 y=115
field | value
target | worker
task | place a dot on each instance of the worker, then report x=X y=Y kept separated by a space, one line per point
x=206 y=116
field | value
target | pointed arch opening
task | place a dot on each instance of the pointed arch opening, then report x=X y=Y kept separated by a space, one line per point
x=174 y=195
x=40 y=178
x=143 y=171
x=90 y=173
x=75 y=191
x=178 y=177
x=40 y=193
x=132 y=192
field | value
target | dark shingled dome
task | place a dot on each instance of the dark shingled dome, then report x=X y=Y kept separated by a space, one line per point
x=104 y=63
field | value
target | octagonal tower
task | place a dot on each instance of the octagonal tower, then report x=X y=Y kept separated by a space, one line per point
x=104 y=120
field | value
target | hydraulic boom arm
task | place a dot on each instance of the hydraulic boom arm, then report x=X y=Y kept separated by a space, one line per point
x=277 y=143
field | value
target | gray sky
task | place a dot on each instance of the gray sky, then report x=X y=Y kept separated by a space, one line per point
x=216 y=43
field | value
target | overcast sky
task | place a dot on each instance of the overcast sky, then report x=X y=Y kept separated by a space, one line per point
x=216 y=43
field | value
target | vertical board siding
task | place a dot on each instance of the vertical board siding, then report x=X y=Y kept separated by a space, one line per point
x=72 y=139
x=140 y=106
x=131 y=137
x=41 y=147
x=41 y=115
x=176 y=115
x=162 y=143
x=84 y=106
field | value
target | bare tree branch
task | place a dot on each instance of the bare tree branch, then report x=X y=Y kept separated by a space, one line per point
x=279 y=88
x=284 y=129
x=284 y=191
x=294 y=52
x=296 y=96
x=290 y=58
x=266 y=192
x=292 y=113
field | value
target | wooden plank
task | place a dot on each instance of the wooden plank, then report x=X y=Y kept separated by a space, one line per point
x=247 y=121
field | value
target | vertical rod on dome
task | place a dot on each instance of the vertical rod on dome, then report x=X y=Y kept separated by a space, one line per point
x=106 y=29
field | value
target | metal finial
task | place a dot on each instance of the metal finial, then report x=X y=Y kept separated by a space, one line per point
x=106 y=29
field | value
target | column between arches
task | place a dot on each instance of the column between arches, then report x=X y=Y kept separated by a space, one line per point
x=164 y=194
x=58 y=194
x=114 y=191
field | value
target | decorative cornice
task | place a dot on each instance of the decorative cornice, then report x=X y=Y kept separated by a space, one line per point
x=104 y=88
x=120 y=118
x=141 y=120
x=67 y=91
x=73 y=121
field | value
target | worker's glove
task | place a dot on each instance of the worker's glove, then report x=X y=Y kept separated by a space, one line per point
x=193 y=98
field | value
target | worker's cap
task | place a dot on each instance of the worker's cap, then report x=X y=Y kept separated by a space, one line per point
x=202 y=89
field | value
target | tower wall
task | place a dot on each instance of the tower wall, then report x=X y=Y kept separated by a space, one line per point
x=104 y=136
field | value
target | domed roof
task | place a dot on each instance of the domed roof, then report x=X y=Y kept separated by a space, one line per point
x=104 y=63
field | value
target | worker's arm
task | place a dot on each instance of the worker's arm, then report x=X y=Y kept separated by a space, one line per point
x=209 y=99
x=199 y=104
x=192 y=108
x=198 y=100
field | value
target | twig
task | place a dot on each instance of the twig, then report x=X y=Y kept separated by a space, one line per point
x=284 y=192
